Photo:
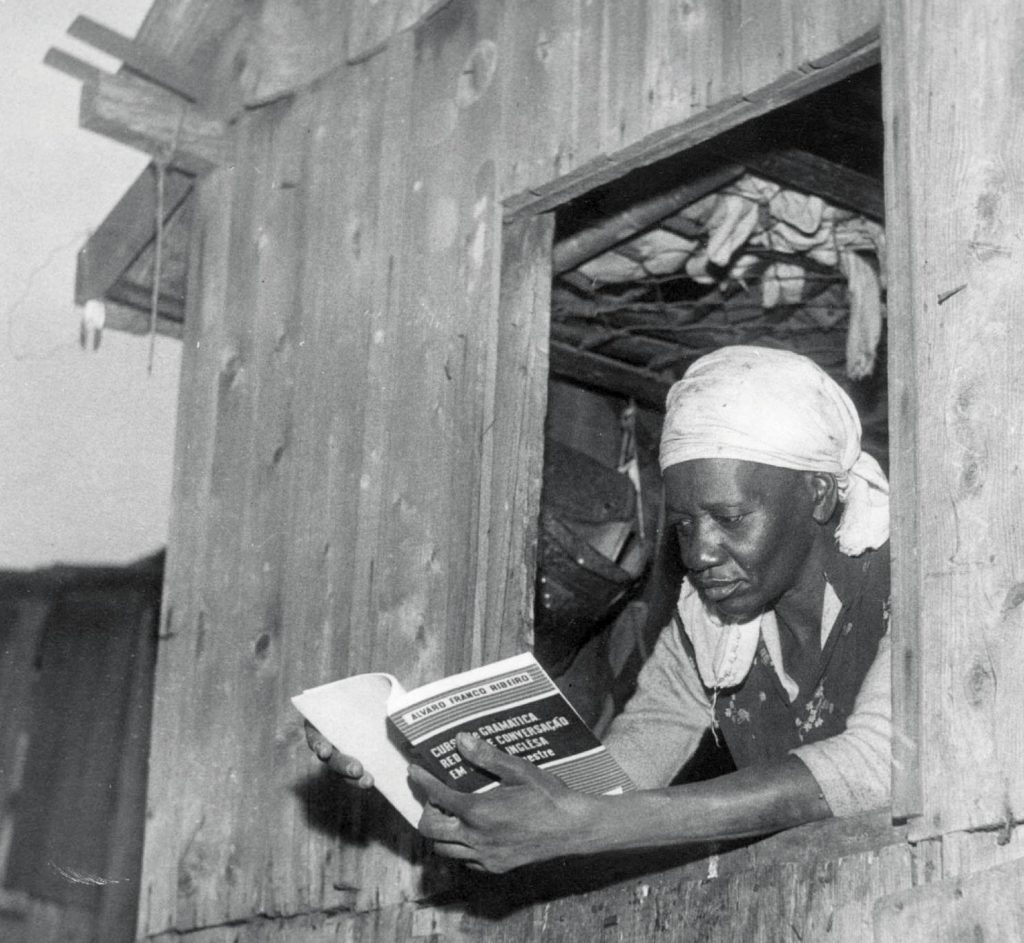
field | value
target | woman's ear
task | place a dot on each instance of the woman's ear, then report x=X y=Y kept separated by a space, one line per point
x=825 y=494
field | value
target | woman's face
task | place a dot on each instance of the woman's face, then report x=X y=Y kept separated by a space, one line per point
x=745 y=531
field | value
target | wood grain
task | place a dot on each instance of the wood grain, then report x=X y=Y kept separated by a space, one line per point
x=150 y=119
x=128 y=229
x=360 y=434
x=955 y=129
x=988 y=905
x=374 y=22
x=513 y=443
x=146 y=63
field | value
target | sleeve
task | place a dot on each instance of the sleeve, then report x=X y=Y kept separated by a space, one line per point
x=662 y=723
x=853 y=768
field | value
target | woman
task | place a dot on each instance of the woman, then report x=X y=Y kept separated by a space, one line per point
x=779 y=644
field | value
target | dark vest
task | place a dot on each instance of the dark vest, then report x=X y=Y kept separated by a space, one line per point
x=756 y=718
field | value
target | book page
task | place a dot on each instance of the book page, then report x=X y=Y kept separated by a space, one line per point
x=352 y=714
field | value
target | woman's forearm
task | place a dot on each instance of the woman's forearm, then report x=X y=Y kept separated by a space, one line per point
x=742 y=804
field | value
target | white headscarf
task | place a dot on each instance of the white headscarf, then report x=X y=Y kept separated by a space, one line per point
x=778 y=408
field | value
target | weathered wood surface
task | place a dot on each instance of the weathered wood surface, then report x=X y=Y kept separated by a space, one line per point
x=280 y=46
x=146 y=63
x=359 y=424
x=513 y=423
x=289 y=564
x=374 y=22
x=964 y=853
x=818 y=883
x=955 y=132
x=148 y=118
x=128 y=229
x=191 y=33
x=988 y=905
x=903 y=203
x=71 y=66
x=668 y=76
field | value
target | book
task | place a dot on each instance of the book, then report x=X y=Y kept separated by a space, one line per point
x=512 y=703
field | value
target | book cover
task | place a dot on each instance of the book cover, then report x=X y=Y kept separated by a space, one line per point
x=513 y=704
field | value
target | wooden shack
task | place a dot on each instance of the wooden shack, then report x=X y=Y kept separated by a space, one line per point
x=366 y=198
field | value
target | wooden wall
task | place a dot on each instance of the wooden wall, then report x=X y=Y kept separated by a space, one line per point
x=359 y=429
x=77 y=648
x=955 y=131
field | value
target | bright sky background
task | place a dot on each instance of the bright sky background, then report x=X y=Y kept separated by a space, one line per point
x=87 y=437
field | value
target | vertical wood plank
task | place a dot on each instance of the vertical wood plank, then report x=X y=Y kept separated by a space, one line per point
x=21 y=626
x=514 y=443
x=119 y=903
x=212 y=646
x=447 y=302
x=545 y=50
x=903 y=203
x=955 y=130
x=341 y=849
x=186 y=601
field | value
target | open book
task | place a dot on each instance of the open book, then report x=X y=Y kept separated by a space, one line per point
x=512 y=703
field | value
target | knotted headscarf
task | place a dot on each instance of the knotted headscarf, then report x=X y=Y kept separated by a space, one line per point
x=778 y=408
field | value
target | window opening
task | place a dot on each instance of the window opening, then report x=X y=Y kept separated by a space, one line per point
x=771 y=235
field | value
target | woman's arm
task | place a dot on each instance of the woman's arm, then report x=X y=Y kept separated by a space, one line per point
x=533 y=817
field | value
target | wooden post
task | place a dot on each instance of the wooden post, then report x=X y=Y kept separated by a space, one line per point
x=954 y=111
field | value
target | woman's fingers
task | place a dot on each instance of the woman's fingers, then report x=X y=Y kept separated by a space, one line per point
x=347 y=766
x=438 y=794
x=511 y=770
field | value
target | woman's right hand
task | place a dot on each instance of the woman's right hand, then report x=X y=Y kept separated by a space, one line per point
x=347 y=766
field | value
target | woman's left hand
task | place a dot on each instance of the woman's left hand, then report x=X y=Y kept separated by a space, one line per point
x=532 y=816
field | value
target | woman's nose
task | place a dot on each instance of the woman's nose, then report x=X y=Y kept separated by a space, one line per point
x=702 y=548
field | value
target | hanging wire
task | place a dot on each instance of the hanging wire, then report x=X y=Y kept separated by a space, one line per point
x=161 y=175
x=161 y=163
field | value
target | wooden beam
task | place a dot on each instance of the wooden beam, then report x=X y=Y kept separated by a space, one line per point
x=71 y=65
x=648 y=389
x=812 y=174
x=128 y=229
x=717 y=119
x=146 y=62
x=131 y=320
x=585 y=245
x=139 y=298
x=153 y=120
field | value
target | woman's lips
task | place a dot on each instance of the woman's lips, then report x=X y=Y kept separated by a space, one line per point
x=716 y=591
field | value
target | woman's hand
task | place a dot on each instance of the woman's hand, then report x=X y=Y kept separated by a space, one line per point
x=532 y=816
x=347 y=766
